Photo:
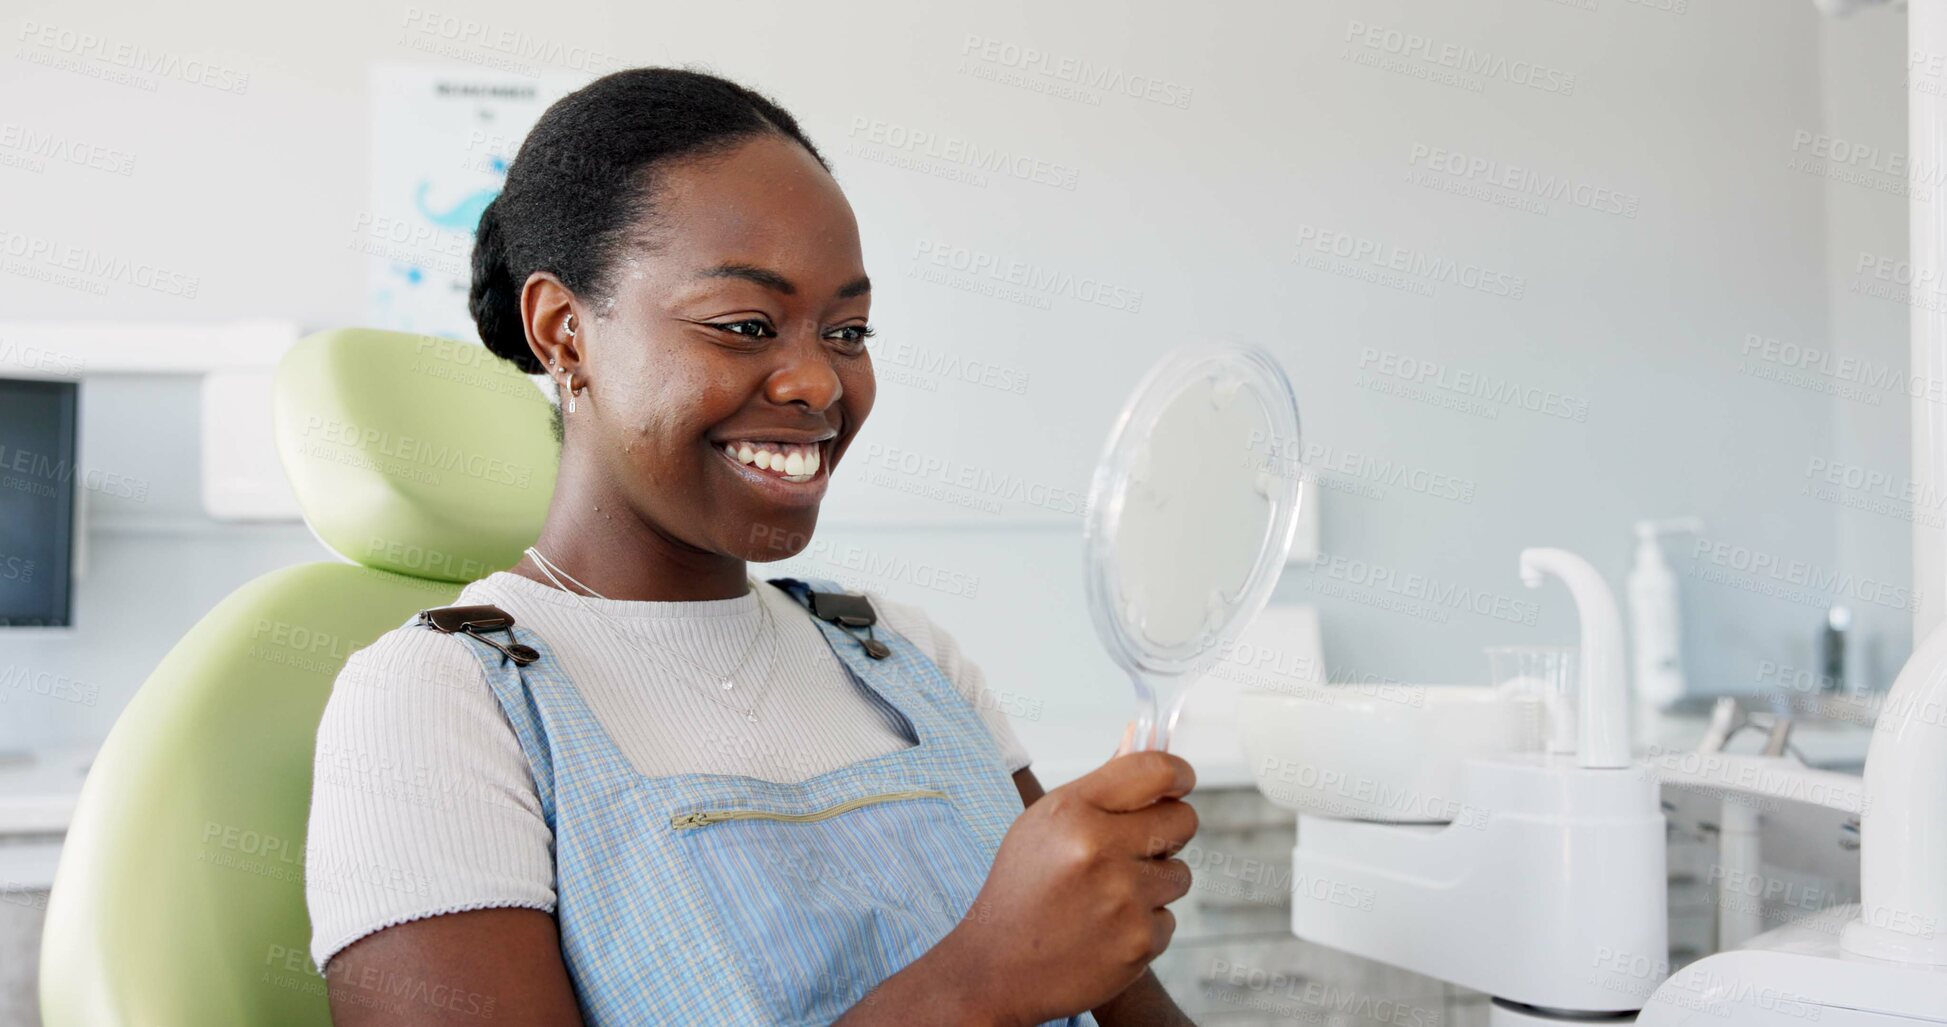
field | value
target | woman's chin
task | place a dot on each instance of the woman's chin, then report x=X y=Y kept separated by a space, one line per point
x=777 y=537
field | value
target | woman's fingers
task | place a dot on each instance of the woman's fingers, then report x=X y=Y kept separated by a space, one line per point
x=1162 y=925
x=1136 y=780
x=1165 y=881
x=1161 y=830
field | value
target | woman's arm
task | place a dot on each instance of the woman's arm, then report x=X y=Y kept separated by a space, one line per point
x=484 y=966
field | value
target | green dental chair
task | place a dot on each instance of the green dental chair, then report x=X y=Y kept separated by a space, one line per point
x=422 y=464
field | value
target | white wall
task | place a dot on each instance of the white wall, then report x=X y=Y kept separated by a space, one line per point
x=1283 y=128
x=1864 y=125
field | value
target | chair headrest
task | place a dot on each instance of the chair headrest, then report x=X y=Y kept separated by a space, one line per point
x=419 y=455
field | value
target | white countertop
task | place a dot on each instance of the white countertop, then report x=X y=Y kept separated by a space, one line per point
x=37 y=799
x=37 y=795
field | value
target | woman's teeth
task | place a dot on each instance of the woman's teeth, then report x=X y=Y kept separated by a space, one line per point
x=790 y=461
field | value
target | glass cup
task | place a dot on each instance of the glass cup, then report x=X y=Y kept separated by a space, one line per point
x=1545 y=676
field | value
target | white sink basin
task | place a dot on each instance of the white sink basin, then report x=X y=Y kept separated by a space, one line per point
x=1379 y=752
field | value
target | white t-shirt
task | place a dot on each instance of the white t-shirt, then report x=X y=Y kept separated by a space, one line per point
x=422 y=800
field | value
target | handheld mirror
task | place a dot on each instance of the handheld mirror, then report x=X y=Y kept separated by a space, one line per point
x=1190 y=519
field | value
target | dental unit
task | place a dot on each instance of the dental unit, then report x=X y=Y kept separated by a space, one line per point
x=1540 y=878
x=1521 y=872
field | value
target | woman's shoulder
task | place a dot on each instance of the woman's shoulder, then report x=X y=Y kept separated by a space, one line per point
x=909 y=620
x=416 y=697
x=914 y=624
x=412 y=651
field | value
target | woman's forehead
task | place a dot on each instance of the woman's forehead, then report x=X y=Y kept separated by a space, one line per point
x=767 y=208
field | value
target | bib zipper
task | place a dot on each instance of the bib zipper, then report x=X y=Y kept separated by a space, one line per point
x=686 y=821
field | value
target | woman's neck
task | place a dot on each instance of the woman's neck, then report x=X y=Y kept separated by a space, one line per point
x=601 y=542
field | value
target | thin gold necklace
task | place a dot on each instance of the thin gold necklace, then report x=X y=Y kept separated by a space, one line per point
x=725 y=682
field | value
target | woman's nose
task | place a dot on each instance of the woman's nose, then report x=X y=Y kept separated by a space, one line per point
x=805 y=376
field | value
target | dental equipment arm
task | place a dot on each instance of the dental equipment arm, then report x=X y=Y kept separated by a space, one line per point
x=1903 y=833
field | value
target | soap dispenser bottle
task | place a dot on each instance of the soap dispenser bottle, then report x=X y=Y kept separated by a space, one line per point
x=1655 y=619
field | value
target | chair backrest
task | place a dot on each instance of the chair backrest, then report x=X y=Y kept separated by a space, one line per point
x=421 y=464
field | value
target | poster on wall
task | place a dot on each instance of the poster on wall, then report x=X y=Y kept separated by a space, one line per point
x=442 y=138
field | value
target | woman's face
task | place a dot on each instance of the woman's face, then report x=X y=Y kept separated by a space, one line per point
x=735 y=339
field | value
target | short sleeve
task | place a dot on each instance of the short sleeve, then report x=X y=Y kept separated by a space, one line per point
x=996 y=709
x=422 y=802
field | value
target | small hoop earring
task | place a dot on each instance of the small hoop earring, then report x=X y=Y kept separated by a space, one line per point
x=571 y=392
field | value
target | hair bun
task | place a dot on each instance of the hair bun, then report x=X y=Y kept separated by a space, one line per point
x=494 y=299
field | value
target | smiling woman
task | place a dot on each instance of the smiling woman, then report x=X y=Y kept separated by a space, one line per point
x=689 y=801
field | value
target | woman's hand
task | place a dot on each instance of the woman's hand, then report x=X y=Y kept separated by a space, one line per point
x=1072 y=911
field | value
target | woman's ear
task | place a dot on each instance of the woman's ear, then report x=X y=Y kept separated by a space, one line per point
x=554 y=325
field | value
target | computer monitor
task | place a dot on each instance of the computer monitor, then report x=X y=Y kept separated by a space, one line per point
x=37 y=501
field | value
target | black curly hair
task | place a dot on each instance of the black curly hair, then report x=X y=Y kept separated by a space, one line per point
x=583 y=185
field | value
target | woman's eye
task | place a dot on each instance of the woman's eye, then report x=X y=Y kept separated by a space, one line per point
x=854 y=334
x=760 y=330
